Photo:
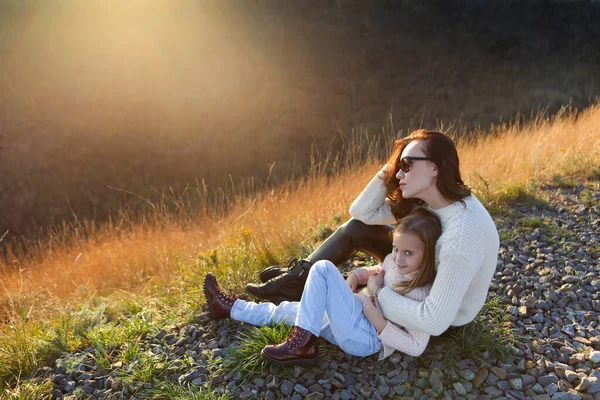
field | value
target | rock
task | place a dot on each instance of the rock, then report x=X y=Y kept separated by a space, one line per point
x=571 y=376
x=547 y=379
x=516 y=383
x=286 y=387
x=365 y=391
x=583 y=384
x=499 y=372
x=528 y=380
x=459 y=388
x=594 y=385
x=551 y=389
x=301 y=390
x=517 y=394
x=480 y=377
x=69 y=387
x=595 y=357
x=467 y=374
x=494 y=392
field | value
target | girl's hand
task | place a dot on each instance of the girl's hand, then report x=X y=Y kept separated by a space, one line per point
x=375 y=281
x=373 y=313
x=352 y=281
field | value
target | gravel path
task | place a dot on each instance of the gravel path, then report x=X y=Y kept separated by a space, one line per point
x=547 y=276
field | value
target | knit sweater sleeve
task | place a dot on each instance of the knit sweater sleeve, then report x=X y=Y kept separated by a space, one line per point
x=363 y=273
x=410 y=341
x=372 y=206
x=438 y=310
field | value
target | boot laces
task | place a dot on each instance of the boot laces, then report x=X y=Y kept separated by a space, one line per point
x=226 y=299
x=296 y=337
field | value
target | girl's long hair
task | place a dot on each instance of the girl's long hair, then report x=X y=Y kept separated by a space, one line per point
x=427 y=227
x=442 y=151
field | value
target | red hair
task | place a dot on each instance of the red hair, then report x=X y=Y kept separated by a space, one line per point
x=441 y=150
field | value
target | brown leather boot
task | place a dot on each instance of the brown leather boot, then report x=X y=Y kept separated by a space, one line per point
x=299 y=348
x=219 y=303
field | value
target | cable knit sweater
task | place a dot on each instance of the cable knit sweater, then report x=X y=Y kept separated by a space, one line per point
x=466 y=257
x=393 y=337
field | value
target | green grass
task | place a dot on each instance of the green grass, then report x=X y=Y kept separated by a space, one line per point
x=246 y=359
x=34 y=389
x=22 y=350
x=586 y=196
x=526 y=225
x=523 y=194
x=489 y=332
x=502 y=202
x=172 y=391
x=146 y=366
x=563 y=182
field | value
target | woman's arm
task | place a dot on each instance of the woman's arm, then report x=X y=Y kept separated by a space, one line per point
x=437 y=312
x=371 y=206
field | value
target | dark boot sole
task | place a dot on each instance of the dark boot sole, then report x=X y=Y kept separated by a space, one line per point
x=299 y=361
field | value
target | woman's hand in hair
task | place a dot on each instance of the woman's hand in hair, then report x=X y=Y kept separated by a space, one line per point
x=384 y=170
x=375 y=281
x=352 y=281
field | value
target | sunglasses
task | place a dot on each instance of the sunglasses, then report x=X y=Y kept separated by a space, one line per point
x=406 y=162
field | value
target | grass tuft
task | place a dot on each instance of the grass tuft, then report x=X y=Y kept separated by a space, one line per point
x=246 y=359
x=563 y=182
x=34 y=389
x=520 y=193
x=21 y=352
x=172 y=391
x=489 y=332
x=145 y=366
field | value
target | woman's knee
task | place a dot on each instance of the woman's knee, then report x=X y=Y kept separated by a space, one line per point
x=352 y=228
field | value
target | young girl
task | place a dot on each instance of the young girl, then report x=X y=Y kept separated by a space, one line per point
x=330 y=308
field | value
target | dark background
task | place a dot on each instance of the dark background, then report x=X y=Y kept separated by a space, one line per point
x=99 y=97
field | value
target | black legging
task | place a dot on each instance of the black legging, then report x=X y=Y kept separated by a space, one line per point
x=351 y=237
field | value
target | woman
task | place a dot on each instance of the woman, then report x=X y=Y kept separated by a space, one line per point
x=423 y=169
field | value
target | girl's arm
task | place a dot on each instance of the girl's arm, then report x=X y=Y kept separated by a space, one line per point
x=371 y=206
x=410 y=341
x=363 y=273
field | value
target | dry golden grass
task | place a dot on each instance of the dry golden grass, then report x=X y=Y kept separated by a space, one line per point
x=138 y=256
x=568 y=144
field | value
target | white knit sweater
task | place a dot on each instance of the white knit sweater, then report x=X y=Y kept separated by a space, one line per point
x=466 y=257
x=393 y=337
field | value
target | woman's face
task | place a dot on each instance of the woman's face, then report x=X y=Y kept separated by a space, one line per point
x=421 y=178
x=407 y=252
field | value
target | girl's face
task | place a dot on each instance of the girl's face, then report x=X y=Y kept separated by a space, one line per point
x=419 y=180
x=407 y=252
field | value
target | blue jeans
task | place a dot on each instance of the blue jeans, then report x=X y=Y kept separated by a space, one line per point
x=328 y=308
